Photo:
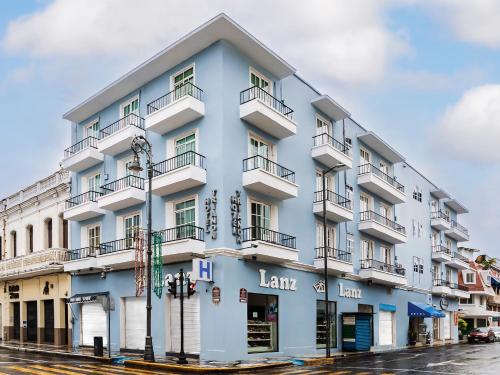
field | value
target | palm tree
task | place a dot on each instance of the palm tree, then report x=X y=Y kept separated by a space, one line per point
x=488 y=262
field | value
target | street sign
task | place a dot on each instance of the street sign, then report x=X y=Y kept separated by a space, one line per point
x=243 y=295
x=216 y=295
x=202 y=270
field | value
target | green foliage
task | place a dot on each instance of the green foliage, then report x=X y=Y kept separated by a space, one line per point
x=462 y=326
x=487 y=263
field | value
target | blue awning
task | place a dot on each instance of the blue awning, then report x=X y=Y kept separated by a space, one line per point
x=423 y=310
x=495 y=282
x=387 y=307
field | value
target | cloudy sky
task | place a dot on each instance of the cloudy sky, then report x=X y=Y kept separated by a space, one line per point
x=424 y=74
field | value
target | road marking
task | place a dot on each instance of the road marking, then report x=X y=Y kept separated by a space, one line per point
x=127 y=369
x=57 y=371
x=30 y=371
x=340 y=372
x=123 y=370
x=78 y=369
x=402 y=369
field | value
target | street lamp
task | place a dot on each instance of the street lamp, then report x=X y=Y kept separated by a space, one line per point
x=325 y=257
x=140 y=145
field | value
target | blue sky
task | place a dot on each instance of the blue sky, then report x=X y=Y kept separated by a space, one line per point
x=425 y=75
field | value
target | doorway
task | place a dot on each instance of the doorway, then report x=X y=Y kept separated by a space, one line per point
x=48 y=307
x=16 y=332
x=32 y=324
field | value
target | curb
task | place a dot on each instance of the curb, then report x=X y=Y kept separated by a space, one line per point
x=200 y=369
x=58 y=354
x=315 y=361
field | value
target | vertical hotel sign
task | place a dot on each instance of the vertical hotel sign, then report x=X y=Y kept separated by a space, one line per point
x=211 y=215
x=236 y=216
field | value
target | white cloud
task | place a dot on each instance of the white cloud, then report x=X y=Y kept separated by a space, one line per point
x=470 y=129
x=347 y=41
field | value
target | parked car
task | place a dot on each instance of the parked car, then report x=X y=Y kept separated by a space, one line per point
x=496 y=330
x=481 y=334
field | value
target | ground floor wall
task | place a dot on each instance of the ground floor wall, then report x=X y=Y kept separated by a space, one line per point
x=251 y=310
x=35 y=310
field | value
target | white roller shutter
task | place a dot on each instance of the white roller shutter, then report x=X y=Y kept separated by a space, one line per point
x=191 y=325
x=385 y=328
x=446 y=326
x=94 y=323
x=135 y=322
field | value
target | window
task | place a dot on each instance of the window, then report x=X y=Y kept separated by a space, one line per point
x=94 y=236
x=366 y=249
x=92 y=129
x=48 y=233
x=330 y=238
x=185 y=144
x=262 y=323
x=348 y=142
x=329 y=185
x=384 y=167
x=417 y=194
x=259 y=80
x=448 y=275
x=349 y=192
x=481 y=300
x=321 y=324
x=435 y=238
x=448 y=244
x=418 y=266
x=364 y=203
x=434 y=205
x=131 y=226
x=185 y=76
x=129 y=107
x=185 y=218
x=467 y=301
x=385 y=211
x=260 y=215
x=470 y=278
x=386 y=254
x=435 y=272
x=323 y=126
x=29 y=239
x=350 y=243
x=94 y=182
x=13 y=239
x=364 y=157
x=259 y=147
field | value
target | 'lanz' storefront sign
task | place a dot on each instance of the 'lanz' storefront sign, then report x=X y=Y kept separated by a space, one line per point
x=275 y=282
x=349 y=292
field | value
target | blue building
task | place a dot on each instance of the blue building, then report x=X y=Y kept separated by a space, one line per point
x=240 y=142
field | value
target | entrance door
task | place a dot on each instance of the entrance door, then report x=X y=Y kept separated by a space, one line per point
x=435 y=329
x=16 y=307
x=32 y=324
x=94 y=323
x=48 y=307
x=385 y=327
x=446 y=327
x=368 y=309
x=135 y=324
x=191 y=325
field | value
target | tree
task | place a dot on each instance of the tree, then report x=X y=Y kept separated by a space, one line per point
x=488 y=262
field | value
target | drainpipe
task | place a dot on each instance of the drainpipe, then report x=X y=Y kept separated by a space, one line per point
x=345 y=182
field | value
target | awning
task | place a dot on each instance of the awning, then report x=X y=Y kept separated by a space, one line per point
x=423 y=310
x=87 y=297
x=495 y=282
x=387 y=307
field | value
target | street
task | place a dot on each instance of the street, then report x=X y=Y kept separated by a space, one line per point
x=481 y=359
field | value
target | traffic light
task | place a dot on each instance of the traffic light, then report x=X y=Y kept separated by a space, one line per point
x=172 y=288
x=190 y=289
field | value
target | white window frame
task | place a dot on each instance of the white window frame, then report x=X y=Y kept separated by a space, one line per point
x=128 y=216
x=271 y=147
x=387 y=208
x=370 y=248
x=331 y=234
x=191 y=198
x=93 y=227
x=262 y=77
x=473 y=277
x=86 y=178
x=187 y=67
x=129 y=101
x=370 y=201
x=89 y=125
x=384 y=249
x=326 y=122
x=274 y=212
x=330 y=181
x=361 y=150
x=172 y=141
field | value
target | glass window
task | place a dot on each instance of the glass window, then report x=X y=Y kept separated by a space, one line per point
x=185 y=144
x=185 y=213
x=92 y=130
x=132 y=225
x=469 y=278
x=184 y=77
x=435 y=272
x=364 y=156
x=366 y=249
x=364 y=203
x=260 y=215
x=94 y=182
x=322 y=126
x=262 y=323
x=259 y=80
x=131 y=107
x=350 y=243
x=94 y=236
x=321 y=324
x=386 y=255
x=330 y=237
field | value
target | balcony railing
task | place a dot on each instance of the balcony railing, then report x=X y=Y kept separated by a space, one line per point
x=80 y=146
x=334 y=198
x=334 y=254
x=441 y=282
x=179 y=92
x=370 y=215
x=32 y=262
x=123 y=183
x=267 y=235
x=256 y=92
x=260 y=162
x=440 y=215
x=84 y=252
x=89 y=196
x=382 y=266
x=460 y=227
x=325 y=138
x=179 y=161
x=129 y=120
x=117 y=245
x=441 y=249
x=369 y=168
x=181 y=232
x=460 y=257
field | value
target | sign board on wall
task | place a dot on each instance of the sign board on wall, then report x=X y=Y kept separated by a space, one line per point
x=349 y=292
x=202 y=270
x=275 y=282
x=216 y=295
x=243 y=295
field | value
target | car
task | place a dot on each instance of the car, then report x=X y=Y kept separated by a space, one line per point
x=481 y=334
x=496 y=330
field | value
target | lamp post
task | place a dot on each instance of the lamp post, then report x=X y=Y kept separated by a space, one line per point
x=325 y=257
x=140 y=145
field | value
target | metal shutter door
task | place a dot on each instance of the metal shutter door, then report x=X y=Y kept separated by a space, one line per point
x=94 y=323
x=385 y=328
x=363 y=333
x=191 y=325
x=446 y=327
x=135 y=322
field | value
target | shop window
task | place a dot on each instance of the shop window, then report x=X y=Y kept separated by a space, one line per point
x=262 y=315
x=321 y=323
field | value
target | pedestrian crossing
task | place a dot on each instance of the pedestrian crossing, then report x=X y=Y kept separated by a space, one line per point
x=69 y=368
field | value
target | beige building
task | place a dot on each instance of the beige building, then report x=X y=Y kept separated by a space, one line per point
x=34 y=239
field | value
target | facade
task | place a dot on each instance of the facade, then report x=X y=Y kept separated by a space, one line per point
x=34 y=239
x=239 y=144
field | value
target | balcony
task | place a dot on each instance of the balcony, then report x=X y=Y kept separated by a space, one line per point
x=182 y=243
x=331 y=152
x=495 y=300
x=83 y=207
x=441 y=287
x=82 y=155
x=441 y=253
x=386 y=187
x=118 y=254
x=440 y=221
x=382 y=273
x=125 y=192
x=338 y=208
x=175 y=109
x=381 y=227
x=35 y=264
x=182 y=172
x=267 y=113
x=457 y=232
x=338 y=262
x=458 y=261
x=266 y=177
x=459 y=291
x=83 y=259
x=266 y=245
x=117 y=137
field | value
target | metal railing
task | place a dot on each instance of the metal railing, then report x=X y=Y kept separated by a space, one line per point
x=179 y=161
x=325 y=138
x=37 y=260
x=117 y=245
x=441 y=282
x=334 y=198
x=333 y=253
x=371 y=215
x=441 y=249
x=181 y=232
x=382 y=266
x=123 y=183
x=84 y=252
x=260 y=162
x=460 y=257
x=89 y=196
x=80 y=146
x=267 y=235
x=256 y=92
x=129 y=120
x=460 y=227
x=369 y=168
x=440 y=215
x=179 y=92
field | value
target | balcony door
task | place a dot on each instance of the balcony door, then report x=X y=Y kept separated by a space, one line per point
x=435 y=239
x=366 y=249
x=185 y=218
x=131 y=226
x=330 y=238
x=330 y=186
x=181 y=82
x=384 y=167
x=435 y=272
x=261 y=81
x=364 y=157
x=92 y=130
x=94 y=236
x=385 y=211
x=260 y=215
x=323 y=126
x=364 y=203
x=184 y=146
x=386 y=254
x=434 y=206
x=94 y=182
x=258 y=147
x=129 y=107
